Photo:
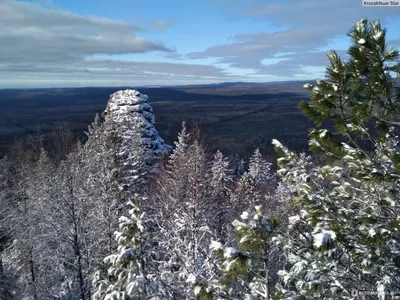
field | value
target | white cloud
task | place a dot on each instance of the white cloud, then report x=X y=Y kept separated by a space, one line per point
x=44 y=46
x=311 y=25
x=249 y=50
x=31 y=33
x=39 y=43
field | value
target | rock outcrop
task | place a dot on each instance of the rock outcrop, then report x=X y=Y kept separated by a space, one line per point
x=126 y=144
x=131 y=114
x=138 y=148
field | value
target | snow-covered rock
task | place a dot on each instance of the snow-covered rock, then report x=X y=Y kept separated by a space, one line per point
x=129 y=115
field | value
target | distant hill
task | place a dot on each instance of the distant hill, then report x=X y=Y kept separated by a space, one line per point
x=247 y=88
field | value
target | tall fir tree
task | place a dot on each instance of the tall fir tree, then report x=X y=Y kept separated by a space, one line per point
x=103 y=187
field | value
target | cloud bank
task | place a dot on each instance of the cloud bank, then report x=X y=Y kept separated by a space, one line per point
x=300 y=50
x=45 y=46
x=50 y=47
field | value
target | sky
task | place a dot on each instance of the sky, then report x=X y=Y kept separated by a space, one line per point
x=73 y=43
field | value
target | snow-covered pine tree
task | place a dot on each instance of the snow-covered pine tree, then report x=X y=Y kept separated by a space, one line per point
x=126 y=147
x=109 y=187
x=177 y=157
x=345 y=237
x=245 y=268
x=119 y=154
x=128 y=276
x=260 y=169
x=254 y=185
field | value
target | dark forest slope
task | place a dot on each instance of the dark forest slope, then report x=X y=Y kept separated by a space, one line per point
x=235 y=117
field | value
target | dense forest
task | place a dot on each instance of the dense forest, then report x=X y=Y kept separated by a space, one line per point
x=126 y=216
x=235 y=118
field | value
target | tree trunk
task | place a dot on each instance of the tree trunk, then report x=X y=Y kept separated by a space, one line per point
x=3 y=295
x=143 y=265
x=79 y=267
x=267 y=276
x=33 y=275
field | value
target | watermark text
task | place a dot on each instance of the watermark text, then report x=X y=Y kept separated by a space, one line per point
x=380 y=3
x=355 y=293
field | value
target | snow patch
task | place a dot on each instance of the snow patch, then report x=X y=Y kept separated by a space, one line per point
x=215 y=245
x=323 y=238
x=361 y=41
x=231 y=252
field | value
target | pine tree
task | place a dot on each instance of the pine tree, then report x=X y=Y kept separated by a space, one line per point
x=103 y=188
x=128 y=277
x=181 y=146
x=255 y=184
x=245 y=269
x=357 y=95
x=260 y=169
x=113 y=178
x=345 y=237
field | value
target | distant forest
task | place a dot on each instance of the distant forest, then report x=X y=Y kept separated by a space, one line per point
x=235 y=118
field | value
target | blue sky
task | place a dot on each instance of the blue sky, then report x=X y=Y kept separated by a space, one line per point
x=61 y=43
